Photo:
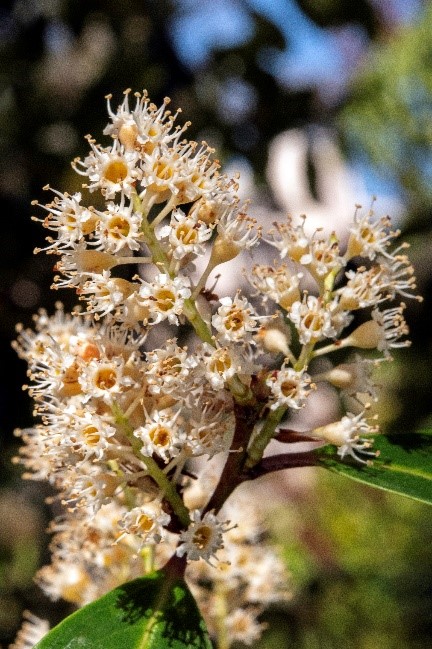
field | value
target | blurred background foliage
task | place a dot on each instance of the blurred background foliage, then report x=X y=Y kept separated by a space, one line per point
x=243 y=72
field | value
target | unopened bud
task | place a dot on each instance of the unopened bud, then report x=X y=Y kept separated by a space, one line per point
x=274 y=340
x=334 y=433
x=94 y=261
x=224 y=250
x=341 y=377
x=367 y=336
x=206 y=211
x=128 y=135
x=288 y=298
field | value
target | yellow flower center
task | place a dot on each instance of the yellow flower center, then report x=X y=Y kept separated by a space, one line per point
x=115 y=171
x=160 y=436
x=118 y=227
x=144 y=523
x=234 y=319
x=313 y=322
x=202 y=537
x=288 y=388
x=186 y=234
x=106 y=378
x=171 y=365
x=91 y=435
x=165 y=299
x=220 y=362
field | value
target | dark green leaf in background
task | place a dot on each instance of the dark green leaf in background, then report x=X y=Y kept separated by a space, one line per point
x=152 y=612
x=404 y=465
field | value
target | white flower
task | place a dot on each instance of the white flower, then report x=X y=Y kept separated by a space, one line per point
x=393 y=326
x=67 y=579
x=118 y=228
x=145 y=125
x=364 y=288
x=110 y=169
x=33 y=629
x=164 y=297
x=221 y=365
x=89 y=436
x=161 y=170
x=104 y=378
x=235 y=320
x=105 y=294
x=278 y=284
x=353 y=378
x=325 y=256
x=68 y=218
x=147 y=522
x=312 y=319
x=200 y=175
x=243 y=627
x=210 y=427
x=289 y=388
x=185 y=235
x=369 y=237
x=398 y=275
x=78 y=264
x=291 y=241
x=382 y=332
x=168 y=369
x=237 y=231
x=203 y=538
x=92 y=488
x=161 y=434
x=346 y=435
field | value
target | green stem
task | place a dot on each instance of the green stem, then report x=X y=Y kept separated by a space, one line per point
x=171 y=204
x=133 y=260
x=240 y=392
x=168 y=489
x=201 y=328
x=305 y=356
x=159 y=256
x=329 y=284
x=221 y=611
x=333 y=347
x=148 y=557
x=165 y=485
x=262 y=439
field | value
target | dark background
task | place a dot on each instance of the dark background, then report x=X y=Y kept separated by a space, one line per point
x=243 y=71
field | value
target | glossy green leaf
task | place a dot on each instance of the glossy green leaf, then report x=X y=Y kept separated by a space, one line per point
x=404 y=465
x=153 y=612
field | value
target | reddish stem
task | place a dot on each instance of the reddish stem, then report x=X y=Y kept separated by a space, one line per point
x=287 y=436
x=232 y=474
x=281 y=462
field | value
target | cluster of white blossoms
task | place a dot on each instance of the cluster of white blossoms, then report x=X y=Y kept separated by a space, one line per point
x=121 y=418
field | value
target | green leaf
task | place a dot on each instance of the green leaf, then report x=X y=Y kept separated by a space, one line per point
x=404 y=465
x=152 y=612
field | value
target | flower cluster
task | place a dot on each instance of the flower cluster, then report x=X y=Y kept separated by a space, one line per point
x=126 y=405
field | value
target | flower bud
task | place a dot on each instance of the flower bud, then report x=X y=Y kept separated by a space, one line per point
x=274 y=339
x=224 y=250
x=367 y=336
x=128 y=135
x=93 y=261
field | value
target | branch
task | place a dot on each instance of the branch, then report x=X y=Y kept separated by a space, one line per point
x=288 y=436
x=233 y=474
x=281 y=462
